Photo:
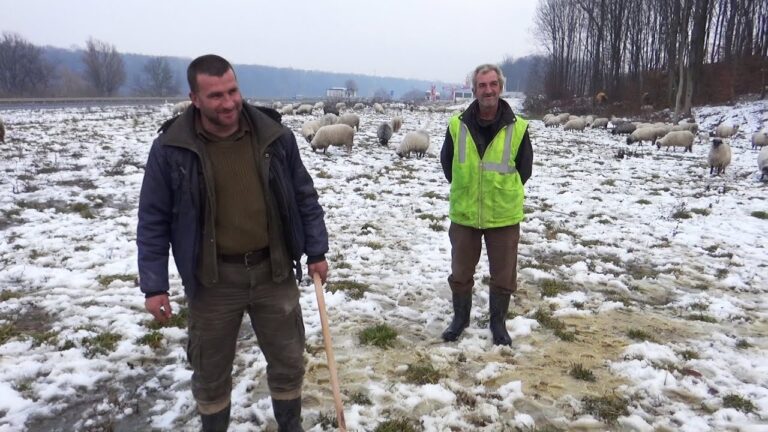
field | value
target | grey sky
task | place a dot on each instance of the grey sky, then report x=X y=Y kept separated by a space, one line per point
x=424 y=39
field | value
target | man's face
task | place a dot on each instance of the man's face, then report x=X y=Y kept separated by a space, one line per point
x=487 y=90
x=219 y=102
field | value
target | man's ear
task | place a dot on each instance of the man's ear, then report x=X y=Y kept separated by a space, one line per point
x=193 y=98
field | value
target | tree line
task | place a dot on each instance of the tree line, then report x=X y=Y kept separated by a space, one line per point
x=669 y=53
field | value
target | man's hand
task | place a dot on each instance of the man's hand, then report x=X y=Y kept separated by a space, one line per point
x=321 y=268
x=160 y=307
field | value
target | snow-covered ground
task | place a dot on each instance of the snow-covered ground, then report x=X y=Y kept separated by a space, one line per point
x=643 y=272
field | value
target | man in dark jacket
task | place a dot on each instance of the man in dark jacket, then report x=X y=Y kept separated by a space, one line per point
x=225 y=187
x=487 y=156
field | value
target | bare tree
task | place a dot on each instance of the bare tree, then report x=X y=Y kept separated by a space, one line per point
x=351 y=86
x=23 y=71
x=381 y=95
x=104 y=67
x=157 y=80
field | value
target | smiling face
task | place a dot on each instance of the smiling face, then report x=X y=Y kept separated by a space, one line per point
x=219 y=101
x=487 y=90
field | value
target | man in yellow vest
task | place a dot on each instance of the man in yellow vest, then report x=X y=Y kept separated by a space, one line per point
x=487 y=157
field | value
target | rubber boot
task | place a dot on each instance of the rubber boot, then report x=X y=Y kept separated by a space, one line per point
x=288 y=415
x=498 y=305
x=462 y=305
x=216 y=422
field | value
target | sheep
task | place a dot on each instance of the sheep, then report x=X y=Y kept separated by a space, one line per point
x=358 y=106
x=340 y=106
x=762 y=163
x=329 y=119
x=384 y=133
x=553 y=121
x=2 y=131
x=692 y=127
x=563 y=118
x=760 y=139
x=719 y=156
x=624 y=128
x=287 y=109
x=547 y=117
x=330 y=110
x=350 y=119
x=180 y=107
x=682 y=139
x=600 y=122
x=304 y=109
x=276 y=105
x=318 y=105
x=589 y=119
x=415 y=141
x=648 y=133
x=575 y=124
x=396 y=124
x=726 y=131
x=309 y=128
x=378 y=108
x=338 y=135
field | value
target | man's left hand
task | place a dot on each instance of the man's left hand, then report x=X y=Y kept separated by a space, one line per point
x=321 y=268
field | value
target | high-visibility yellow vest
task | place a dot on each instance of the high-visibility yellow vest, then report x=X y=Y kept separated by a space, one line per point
x=487 y=192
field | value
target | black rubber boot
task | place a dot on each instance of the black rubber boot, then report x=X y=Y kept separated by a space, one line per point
x=288 y=415
x=498 y=305
x=462 y=305
x=216 y=422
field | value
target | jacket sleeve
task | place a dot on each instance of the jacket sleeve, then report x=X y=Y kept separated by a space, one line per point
x=446 y=155
x=310 y=211
x=524 y=159
x=153 y=232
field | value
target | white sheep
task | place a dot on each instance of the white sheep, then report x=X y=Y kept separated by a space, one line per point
x=676 y=139
x=719 y=156
x=692 y=127
x=726 y=130
x=575 y=124
x=378 y=108
x=350 y=119
x=547 y=117
x=304 y=109
x=338 y=135
x=2 y=131
x=180 y=107
x=648 y=133
x=384 y=133
x=760 y=139
x=762 y=163
x=329 y=119
x=358 y=106
x=340 y=106
x=600 y=122
x=287 y=109
x=319 y=105
x=276 y=105
x=416 y=142
x=396 y=124
x=309 y=128
x=563 y=118
x=552 y=121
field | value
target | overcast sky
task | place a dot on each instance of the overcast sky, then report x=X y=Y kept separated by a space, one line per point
x=424 y=39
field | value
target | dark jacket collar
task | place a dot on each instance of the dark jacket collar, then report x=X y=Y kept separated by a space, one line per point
x=504 y=115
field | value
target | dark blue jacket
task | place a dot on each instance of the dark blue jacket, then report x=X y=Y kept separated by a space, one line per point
x=177 y=196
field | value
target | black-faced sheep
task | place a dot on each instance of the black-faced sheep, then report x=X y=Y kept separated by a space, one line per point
x=309 y=128
x=649 y=133
x=2 y=131
x=396 y=124
x=350 y=119
x=624 y=128
x=329 y=119
x=719 y=156
x=416 y=142
x=726 y=131
x=600 y=122
x=384 y=133
x=676 y=139
x=760 y=139
x=762 y=163
x=340 y=106
x=330 y=110
x=338 y=135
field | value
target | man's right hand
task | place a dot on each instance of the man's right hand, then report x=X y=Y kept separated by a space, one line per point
x=159 y=306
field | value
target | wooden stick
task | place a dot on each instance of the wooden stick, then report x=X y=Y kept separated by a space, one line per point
x=329 y=353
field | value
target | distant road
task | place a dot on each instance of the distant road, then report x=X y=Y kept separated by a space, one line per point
x=10 y=103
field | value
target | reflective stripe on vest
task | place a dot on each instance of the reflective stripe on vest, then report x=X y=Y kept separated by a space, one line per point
x=504 y=167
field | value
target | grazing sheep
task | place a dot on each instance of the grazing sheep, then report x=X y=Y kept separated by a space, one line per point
x=589 y=119
x=624 y=128
x=719 y=156
x=397 y=123
x=726 y=130
x=760 y=139
x=547 y=117
x=552 y=121
x=2 y=131
x=350 y=119
x=329 y=119
x=762 y=163
x=338 y=135
x=330 y=110
x=277 y=105
x=358 y=106
x=575 y=124
x=304 y=109
x=563 y=118
x=319 y=105
x=384 y=133
x=340 y=106
x=287 y=109
x=309 y=128
x=180 y=107
x=676 y=139
x=691 y=127
x=600 y=122
x=378 y=108
x=648 y=133
x=416 y=141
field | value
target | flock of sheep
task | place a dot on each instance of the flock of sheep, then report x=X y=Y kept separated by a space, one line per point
x=666 y=135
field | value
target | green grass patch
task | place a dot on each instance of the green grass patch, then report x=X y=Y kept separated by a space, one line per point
x=328 y=420
x=547 y=320
x=609 y=182
x=47 y=337
x=738 y=402
x=681 y=214
x=108 y=279
x=565 y=336
x=701 y=317
x=743 y=344
x=380 y=335
x=422 y=372
x=721 y=273
x=360 y=398
x=434 y=195
x=430 y=217
x=370 y=196
x=397 y=425
x=8 y=294
x=643 y=201
x=552 y=287
x=641 y=335
x=607 y=408
x=178 y=319
x=374 y=245
x=83 y=209
x=103 y=343
x=579 y=372
x=153 y=339
x=760 y=214
x=323 y=174
x=342 y=265
x=437 y=226
x=7 y=331
x=688 y=355
x=702 y=212
x=354 y=290
x=552 y=230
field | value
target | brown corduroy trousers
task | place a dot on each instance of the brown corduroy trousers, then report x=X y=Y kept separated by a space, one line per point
x=501 y=247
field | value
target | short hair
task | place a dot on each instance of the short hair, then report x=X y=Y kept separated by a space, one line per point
x=488 y=67
x=209 y=64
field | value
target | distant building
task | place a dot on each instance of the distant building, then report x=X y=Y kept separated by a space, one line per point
x=340 y=93
x=461 y=95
